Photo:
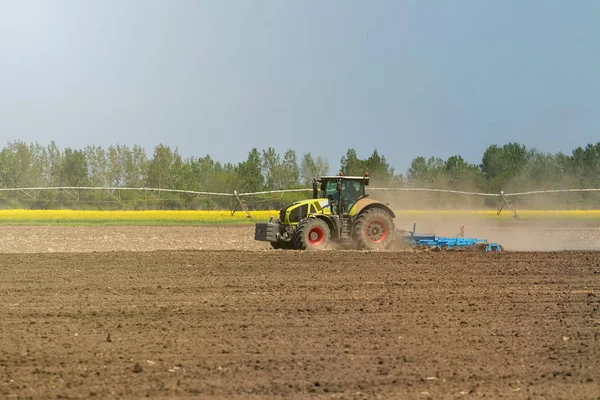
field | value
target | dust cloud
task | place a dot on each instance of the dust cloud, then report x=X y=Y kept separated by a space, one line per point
x=539 y=233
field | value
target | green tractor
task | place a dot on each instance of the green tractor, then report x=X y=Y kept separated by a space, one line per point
x=339 y=212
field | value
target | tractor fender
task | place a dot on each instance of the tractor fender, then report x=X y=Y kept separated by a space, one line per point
x=330 y=223
x=365 y=204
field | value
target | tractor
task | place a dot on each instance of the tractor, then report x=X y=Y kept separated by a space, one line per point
x=339 y=212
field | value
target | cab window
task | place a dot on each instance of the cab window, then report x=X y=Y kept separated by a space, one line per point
x=330 y=190
x=352 y=191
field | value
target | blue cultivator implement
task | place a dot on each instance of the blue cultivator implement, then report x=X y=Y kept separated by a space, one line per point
x=418 y=241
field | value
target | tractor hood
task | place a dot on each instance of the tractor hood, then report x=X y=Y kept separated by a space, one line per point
x=293 y=213
x=321 y=205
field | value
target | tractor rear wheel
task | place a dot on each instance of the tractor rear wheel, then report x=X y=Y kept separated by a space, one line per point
x=374 y=230
x=311 y=234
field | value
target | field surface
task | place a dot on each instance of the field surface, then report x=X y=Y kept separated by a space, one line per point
x=513 y=235
x=205 y=217
x=176 y=312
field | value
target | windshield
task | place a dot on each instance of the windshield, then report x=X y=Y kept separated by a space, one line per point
x=351 y=192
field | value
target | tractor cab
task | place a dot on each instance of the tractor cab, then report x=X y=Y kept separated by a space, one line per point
x=351 y=189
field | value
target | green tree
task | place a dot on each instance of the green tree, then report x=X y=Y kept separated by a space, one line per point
x=190 y=174
x=134 y=166
x=272 y=169
x=311 y=168
x=429 y=173
x=97 y=163
x=36 y=175
x=175 y=171
x=290 y=170
x=379 y=169
x=351 y=164
x=417 y=173
x=279 y=174
x=250 y=173
x=8 y=168
x=23 y=160
x=40 y=167
x=462 y=175
x=20 y=165
x=53 y=164
x=74 y=168
x=228 y=178
x=159 y=168
x=114 y=171
x=207 y=173
x=500 y=165
x=585 y=165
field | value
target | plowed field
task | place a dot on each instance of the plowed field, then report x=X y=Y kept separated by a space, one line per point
x=83 y=318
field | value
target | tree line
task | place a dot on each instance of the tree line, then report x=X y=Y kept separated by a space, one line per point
x=511 y=167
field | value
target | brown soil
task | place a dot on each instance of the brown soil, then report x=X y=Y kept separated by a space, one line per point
x=61 y=239
x=266 y=323
x=517 y=236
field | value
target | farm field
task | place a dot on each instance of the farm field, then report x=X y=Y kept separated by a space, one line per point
x=275 y=324
x=207 y=217
x=539 y=235
x=205 y=311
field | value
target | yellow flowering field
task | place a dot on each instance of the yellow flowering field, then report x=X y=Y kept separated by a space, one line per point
x=164 y=217
x=150 y=217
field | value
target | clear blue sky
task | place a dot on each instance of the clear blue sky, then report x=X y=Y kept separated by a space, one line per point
x=422 y=77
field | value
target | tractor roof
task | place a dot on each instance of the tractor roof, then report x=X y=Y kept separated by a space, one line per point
x=348 y=178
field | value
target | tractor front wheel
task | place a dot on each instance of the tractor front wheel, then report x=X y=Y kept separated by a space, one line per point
x=374 y=230
x=312 y=234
